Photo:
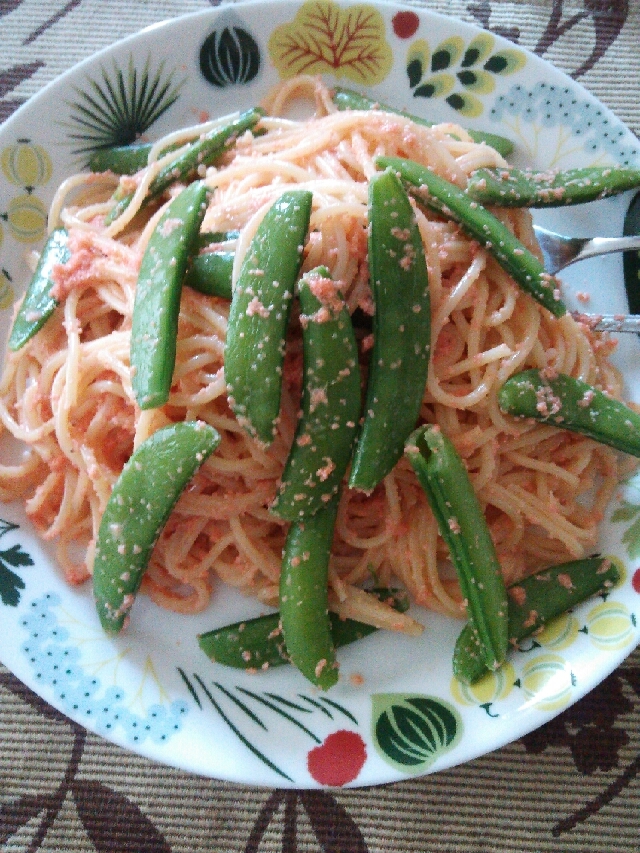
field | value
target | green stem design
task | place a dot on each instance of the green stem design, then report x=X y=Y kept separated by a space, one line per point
x=239 y=734
x=272 y=701
x=282 y=713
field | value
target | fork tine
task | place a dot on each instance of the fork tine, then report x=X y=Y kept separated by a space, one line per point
x=557 y=251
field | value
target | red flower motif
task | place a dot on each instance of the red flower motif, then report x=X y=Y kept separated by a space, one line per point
x=405 y=24
x=339 y=759
x=635 y=580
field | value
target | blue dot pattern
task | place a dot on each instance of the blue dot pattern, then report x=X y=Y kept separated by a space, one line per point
x=57 y=665
x=553 y=106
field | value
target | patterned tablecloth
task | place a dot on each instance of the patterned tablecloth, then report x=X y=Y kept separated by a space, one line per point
x=572 y=785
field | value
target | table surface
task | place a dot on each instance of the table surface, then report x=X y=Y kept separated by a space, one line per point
x=573 y=785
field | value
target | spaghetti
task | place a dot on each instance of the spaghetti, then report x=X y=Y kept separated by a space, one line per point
x=67 y=394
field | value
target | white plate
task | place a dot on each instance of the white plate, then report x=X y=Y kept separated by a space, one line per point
x=152 y=690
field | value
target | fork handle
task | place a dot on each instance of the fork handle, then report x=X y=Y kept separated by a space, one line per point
x=603 y=245
x=610 y=322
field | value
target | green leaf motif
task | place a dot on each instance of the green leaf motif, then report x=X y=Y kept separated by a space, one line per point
x=414 y=72
x=440 y=60
x=505 y=62
x=10 y=582
x=15 y=556
x=471 y=56
x=410 y=731
x=10 y=585
x=119 y=105
x=626 y=512
x=7 y=526
x=476 y=66
x=631 y=539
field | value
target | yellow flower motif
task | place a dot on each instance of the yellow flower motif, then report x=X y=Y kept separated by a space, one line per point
x=26 y=165
x=27 y=218
x=491 y=688
x=610 y=625
x=559 y=633
x=547 y=682
x=325 y=38
x=7 y=295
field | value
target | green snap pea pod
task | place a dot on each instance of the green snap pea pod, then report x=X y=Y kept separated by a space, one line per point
x=38 y=304
x=125 y=159
x=210 y=273
x=259 y=313
x=481 y=225
x=573 y=405
x=462 y=525
x=401 y=332
x=157 y=299
x=204 y=151
x=330 y=408
x=304 y=612
x=347 y=99
x=121 y=159
x=527 y=188
x=143 y=496
x=535 y=601
x=249 y=644
x=258 y=643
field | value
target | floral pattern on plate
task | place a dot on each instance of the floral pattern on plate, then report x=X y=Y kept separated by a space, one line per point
x=551 y=122
x=326 y=38
x=77 y=664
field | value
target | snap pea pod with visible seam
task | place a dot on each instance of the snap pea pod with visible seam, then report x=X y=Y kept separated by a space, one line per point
x=38 y=303
x=330 y=407
x=211 y=273
x=347 y=99
x=462 y=525
x=511 y=187
x=208 y=273
x=259 y=313
x=258 y=643
x=157 y=299
x=401 y=332
x=142 y=499
x=304 y=600
x=512 y=255
x=574 y=405
x=534 y=602
x=203 y=152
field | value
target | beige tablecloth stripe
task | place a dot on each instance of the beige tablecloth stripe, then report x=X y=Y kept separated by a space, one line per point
x=573 y=786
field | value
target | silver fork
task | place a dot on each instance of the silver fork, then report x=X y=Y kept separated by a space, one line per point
x=559 y=251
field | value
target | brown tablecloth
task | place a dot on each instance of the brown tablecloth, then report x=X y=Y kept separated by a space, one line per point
x=573 y=785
